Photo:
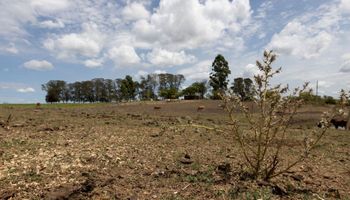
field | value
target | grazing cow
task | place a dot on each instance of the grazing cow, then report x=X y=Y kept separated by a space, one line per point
x=200 y=108
x=336 y=123
x=157 y=107
x=339 y=123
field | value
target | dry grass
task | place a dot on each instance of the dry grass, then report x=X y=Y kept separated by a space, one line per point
x=110 y=151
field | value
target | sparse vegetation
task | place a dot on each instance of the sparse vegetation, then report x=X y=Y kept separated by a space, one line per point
x=175 y=149
x=264 y=142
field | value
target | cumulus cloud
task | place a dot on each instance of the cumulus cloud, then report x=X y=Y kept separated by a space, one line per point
x=162 y=57
x=158 y=71
x=38 y=65
x=25 y=90
x=250 y=71
x=198 y=72
x=311 y=34
x=15 y=15
x=135 y=11
x=124 y=55
x=51 y=24
x=192 y=23
x=141 y=73
x=88 y=43
x=93 y=63
x=299 y=40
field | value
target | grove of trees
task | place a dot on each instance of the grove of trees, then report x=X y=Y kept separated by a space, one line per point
x=160 y=86
x=151 y=86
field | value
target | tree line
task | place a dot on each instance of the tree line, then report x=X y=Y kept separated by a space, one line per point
x=149 y=87
x=160 y=86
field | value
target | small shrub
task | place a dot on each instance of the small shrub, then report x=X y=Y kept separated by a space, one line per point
x=264 y=143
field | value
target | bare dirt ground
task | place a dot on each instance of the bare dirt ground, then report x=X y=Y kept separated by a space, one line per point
x=134 y=151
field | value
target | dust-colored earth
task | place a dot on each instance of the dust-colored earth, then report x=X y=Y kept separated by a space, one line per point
x=153 y=150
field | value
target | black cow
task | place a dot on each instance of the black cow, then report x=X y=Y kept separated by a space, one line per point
x=339 y=123
x=336 y=123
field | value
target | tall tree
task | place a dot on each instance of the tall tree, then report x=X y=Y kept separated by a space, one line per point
x=218 y=76
x=169 y=85
x=128 y=88
x=148 y=86
x=243 y=88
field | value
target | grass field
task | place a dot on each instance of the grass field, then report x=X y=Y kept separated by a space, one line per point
x=133 y=151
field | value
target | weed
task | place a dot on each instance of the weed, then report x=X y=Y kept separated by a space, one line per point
x=262 y=144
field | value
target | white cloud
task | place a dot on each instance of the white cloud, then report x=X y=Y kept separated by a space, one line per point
x=51 y=24
x=49 y=6
x=300 y=40
x=250 y=71
x=19 y=87
x=345 y=6
x=141 y=73
x=124 y=55
x=311 y=34
x=158 y=71
x=93 y=63
x=12 y=49
x=135 y=11
x=88 y=43
x=191 y=23
x=162 y=57
x=15 y=15
x=198 y=72
x=25 y=90
x=38 y=65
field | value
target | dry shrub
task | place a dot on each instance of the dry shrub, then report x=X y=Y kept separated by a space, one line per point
x=264 y=143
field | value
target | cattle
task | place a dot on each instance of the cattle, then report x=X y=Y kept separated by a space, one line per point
x=199 y=108
x=336 y=122
x=157 y=107
x=339 y=123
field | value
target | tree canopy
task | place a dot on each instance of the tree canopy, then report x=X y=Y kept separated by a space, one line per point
x=219 y=76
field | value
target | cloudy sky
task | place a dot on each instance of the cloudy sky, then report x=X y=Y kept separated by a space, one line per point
x=75 y=40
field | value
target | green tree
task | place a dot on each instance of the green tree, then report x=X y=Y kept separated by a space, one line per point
x=128 y=88
x=169 y=85
x=55 y=90
x=218 y=76
x=197 y=88
x=148 y=87
x=243 y=88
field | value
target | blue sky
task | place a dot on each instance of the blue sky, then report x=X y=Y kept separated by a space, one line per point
x=74 y=40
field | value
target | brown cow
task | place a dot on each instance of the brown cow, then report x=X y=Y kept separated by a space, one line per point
x=200 y=108
x=157 y=107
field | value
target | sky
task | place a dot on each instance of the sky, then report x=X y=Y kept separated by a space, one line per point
x=76 y=40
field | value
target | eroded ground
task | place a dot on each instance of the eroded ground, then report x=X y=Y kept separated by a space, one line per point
x=133 y=151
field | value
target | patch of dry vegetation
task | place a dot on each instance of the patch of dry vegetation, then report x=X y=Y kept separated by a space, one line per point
x=134 y=151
